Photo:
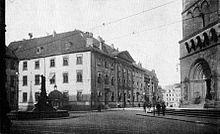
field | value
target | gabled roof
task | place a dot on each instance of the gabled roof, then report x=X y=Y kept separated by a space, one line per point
x=125 y=55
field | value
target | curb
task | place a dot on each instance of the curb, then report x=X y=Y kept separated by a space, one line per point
x=199 y=122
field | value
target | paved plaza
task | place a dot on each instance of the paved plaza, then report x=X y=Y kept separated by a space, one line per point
x=111 y=122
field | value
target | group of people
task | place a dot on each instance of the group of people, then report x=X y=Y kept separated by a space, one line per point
x=160 y=107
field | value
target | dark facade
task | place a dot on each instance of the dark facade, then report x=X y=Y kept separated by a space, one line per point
x=200 y=54
x=12 y=79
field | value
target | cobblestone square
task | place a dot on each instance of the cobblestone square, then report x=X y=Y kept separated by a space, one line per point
x=117 y=122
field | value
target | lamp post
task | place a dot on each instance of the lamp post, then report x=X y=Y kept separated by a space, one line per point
x=55 y=87
x=17 y=84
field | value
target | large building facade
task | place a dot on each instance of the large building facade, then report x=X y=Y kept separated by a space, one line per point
x=172 y=95
x=200 y=54
x=84 y=69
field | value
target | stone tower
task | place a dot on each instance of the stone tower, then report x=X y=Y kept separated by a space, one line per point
x=200 y=54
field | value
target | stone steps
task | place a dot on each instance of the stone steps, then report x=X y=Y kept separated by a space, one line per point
x=203 y=113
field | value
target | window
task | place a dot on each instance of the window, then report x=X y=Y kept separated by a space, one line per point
x=68 y=45
x=65 y=61
x=24 y=97
x=79 y=96
x=79 y=75
x=25 y=65
x=52 y=77
x=38 y=51
x=99 y=78
x=106 y=79
x=113 y=96
x=37 y=64
x=112 y=81
x=52 y=62
x=98 y=62
x=79 y=59
x=12 y=65
x=65 y=77
x=37 y=79
x=37 y=96
x=12 y=81
x=24 y=80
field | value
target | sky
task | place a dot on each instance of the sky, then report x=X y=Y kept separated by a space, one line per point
x=149 y=29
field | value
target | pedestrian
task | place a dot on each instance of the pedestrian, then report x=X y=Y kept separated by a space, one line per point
x=144 y=106
x=154 y=111
x=163 y=108
x=158 y=108
x=149 y=106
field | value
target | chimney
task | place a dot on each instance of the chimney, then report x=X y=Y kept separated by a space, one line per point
x=101 y=41
x=54 y=33
x=30 y=35
x=112 y=45
x=89 y=39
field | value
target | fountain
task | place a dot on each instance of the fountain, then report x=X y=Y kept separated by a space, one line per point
x=43 y=108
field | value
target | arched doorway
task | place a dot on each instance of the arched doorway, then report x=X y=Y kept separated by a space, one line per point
x=200 y=82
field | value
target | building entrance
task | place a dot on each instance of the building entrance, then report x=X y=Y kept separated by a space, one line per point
x=200 y=83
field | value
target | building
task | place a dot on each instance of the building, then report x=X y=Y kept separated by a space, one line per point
x=151 y=85
x=172 y=95
x=200 y=54
x=11 y=84
x=87 y=71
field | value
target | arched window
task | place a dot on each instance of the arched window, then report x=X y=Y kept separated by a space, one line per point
x=193 y=46
x=99 y=80
x=199 y=42
x=213 y=35
x=188 y=47
x=206 y=39
x=113 y=96
x=106 y=79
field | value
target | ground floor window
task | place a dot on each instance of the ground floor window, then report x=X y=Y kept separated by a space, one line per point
x=24 y=97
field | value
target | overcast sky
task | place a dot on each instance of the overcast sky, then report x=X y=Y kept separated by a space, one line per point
x=150 y=36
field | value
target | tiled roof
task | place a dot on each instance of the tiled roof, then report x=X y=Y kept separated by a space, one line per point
x=68 y=42
x=10 y=53
x=50 y=45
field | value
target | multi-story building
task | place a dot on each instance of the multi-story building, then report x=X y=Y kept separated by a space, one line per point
x=172 y=95
x=151 y=85
x=12 y=79
x=88 y=71
x=200 y=54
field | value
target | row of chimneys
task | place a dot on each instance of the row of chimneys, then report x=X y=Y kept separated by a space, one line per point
x=89 y=35
x=31 y=34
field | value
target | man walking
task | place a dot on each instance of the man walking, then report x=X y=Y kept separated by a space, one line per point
x=158 y=108
x=144 y=106
x=163 y=108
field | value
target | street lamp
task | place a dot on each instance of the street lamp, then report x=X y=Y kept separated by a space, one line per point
x=55 y=87
x=17 y=88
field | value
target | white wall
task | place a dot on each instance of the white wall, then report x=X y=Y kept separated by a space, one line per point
x=72 y=86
